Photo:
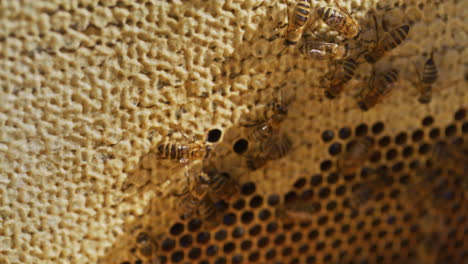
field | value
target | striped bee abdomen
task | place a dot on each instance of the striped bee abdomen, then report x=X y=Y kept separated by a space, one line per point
x=301 y=13
x=430 y=73
x=395 y=37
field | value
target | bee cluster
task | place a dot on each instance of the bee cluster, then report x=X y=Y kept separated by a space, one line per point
x=205 y=190
x=346 y=59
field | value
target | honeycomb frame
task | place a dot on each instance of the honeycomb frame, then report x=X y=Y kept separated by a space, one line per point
x=89 y=88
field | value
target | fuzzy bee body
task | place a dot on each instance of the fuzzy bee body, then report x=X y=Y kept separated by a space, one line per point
x=429 y=77
x=320 y=50
x=146 y=246
x=188 y=205
x=276 y=147
x=192 y=196
x=222 y=187
x=266 y=128
x=206 y=208
x=339 y=21
x=377 y=90
x=389 y=41
x=343 y=74
x=356 y=154
x=297 y=211
x=183 y=152
x=454 y=157
x=298 y=21
x=263 y=131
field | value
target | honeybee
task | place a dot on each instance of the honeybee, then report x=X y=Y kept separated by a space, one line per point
x=146 y=246
x=223 y=187
x=321 y=50
x=344 y=72
x=451 y=156
x=192 y=196
x=361 y=195
x=274 y=148
x=430 y=239
x=265 y=129
x=342 y=21
x=183 y=152
x=377 y=89
x=296 y=211
x=389 y=41
x=356 y=154
x=427 y=248
x=298 y=22
x=206 y=209
x=429 y=77
x=364 y=191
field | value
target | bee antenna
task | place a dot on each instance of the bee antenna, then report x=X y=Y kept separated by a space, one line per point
x=282 y=50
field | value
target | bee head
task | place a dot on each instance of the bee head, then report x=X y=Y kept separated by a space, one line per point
x=363 y=106
x=329 y=95
x=280 y=108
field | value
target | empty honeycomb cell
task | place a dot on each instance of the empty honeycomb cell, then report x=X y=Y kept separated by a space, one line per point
x=391 y=154
x=270 y=254
x=378 y=128
x=428 y=121
x=434 y=133
x=247 y=217
x=400 y=139
x=384 y=141
x=214 y=135
x=460 y=114
x=177 y=229
x=450 y=130
x=194 y=253
x=465 y=127
x=221 y=235
x=186 y=241
x=344 y=132
x=177 y=256
x=255 y=230
x=273 y=199
x=361 y=130
x=301 y=182
x=237 y=259
x=327 y=135
x=238 y=232
x=212 y=250
x=203 y=237
x=417 y=135
x=264 y=215
x=168 y=244
x=239 y=204
x=334 y=149
x=248 y=188
x=246 y=245
x=229 y=247
x=194 y=225
x=263 y=242
x=255 y=256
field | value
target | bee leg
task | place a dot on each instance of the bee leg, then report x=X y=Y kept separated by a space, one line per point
x=376 y=28
x=344 y=10
x=193 y=139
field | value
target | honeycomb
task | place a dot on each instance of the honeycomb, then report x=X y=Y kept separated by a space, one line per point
x=88 y=89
